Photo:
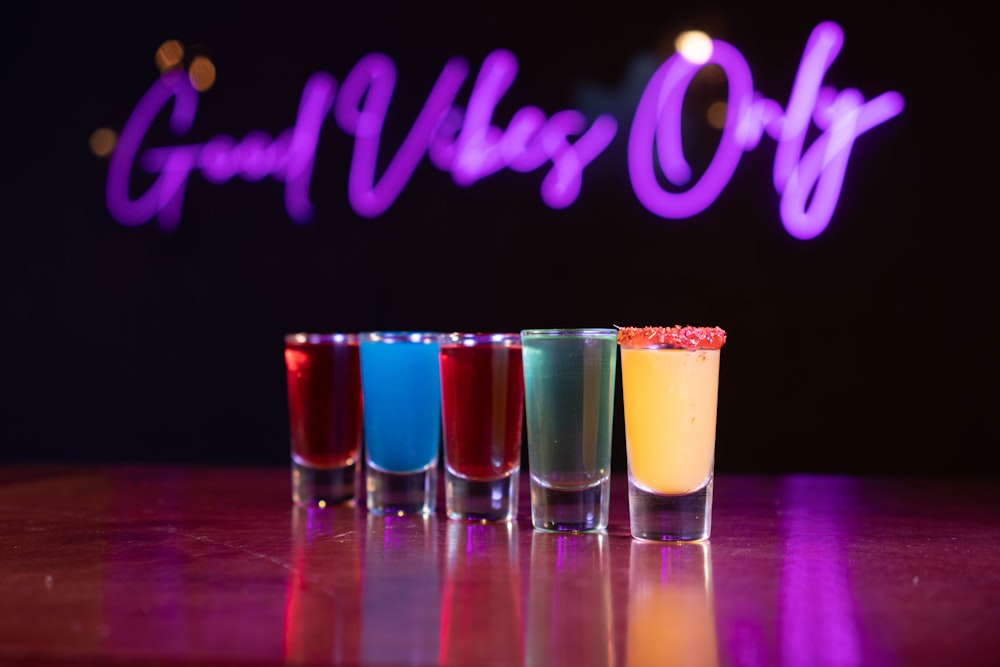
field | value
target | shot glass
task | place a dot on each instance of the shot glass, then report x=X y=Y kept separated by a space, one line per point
x=670 y=390
x=482 y=412
x=323 y=373
x=569 y=387
x=401 y=381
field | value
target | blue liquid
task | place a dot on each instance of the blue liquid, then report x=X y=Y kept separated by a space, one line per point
x=401 y=384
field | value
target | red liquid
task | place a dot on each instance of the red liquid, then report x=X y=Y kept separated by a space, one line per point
x=482 y=408
x=324 y=402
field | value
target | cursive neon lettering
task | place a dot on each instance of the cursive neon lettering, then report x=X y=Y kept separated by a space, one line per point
x=289 y=158
x=820 y=169
x=477 y=149
x=302 y=139
x=809 y=179
x=166 y=188
x=373 y=79
x=657 y=124
x=529 y=141
x=468 y=144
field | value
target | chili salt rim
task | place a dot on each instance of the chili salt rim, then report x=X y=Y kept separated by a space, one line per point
x=677 y=336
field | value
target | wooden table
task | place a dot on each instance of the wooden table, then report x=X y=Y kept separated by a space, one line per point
x=197 y=565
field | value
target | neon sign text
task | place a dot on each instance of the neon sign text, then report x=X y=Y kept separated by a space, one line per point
x=467 y=144
x=798 y=171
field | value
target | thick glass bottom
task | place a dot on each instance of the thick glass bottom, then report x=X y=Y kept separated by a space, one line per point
x=574 y=510
x=473 y=500
x=660 y=518
x=401 y=492
x=320 y=487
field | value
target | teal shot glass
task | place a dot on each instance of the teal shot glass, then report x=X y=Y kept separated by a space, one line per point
x=569 y=394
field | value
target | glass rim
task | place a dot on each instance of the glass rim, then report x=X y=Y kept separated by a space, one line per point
x=317 y=338
x=686 y=338
x=596 y=332
x=479 y=337
x=400 y=336
x=665 y=347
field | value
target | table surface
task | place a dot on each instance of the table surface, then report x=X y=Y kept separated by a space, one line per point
x=148 y=565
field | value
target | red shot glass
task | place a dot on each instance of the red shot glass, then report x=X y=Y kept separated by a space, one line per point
x=323 y=372
x=482 y=410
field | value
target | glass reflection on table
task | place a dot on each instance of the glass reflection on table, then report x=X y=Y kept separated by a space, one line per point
x=323 y=608
x=481 y=618
x=671 y=609
x=569 y=600
x=401 y=598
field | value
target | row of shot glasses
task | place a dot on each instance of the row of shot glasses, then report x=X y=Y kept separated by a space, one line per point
x=398 y=395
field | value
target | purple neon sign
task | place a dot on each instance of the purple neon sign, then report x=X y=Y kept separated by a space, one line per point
x=469 y=145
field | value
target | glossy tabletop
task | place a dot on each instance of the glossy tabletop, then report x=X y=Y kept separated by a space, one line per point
x=214 y=566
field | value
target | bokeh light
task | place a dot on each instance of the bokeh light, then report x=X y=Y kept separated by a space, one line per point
x=202 y=73
x=169 y=55
x=102 y=141
x=695 y=46
x=716 y=115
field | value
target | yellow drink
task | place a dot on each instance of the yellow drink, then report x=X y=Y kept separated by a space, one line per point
x=670 y=388
x=670 y=398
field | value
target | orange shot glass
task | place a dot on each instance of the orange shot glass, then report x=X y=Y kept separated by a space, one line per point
x=670 y=391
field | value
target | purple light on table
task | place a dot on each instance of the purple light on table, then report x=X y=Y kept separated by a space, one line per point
x=817 y=614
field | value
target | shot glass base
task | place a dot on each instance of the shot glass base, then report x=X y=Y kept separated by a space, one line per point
x=661 y=518
x=401 y=492
x=472 y=500
x=570 y=510
x=320 y=487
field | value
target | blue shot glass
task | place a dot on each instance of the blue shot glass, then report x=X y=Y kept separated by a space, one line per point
x=401 y=385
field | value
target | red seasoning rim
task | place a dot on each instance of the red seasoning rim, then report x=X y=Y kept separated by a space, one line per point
x=677 y=337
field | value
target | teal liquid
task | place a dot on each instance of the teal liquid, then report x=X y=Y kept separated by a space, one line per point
x=569 y=384
x=401 y=385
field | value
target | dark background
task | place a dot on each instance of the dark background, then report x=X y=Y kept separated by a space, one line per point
x=866 y=350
